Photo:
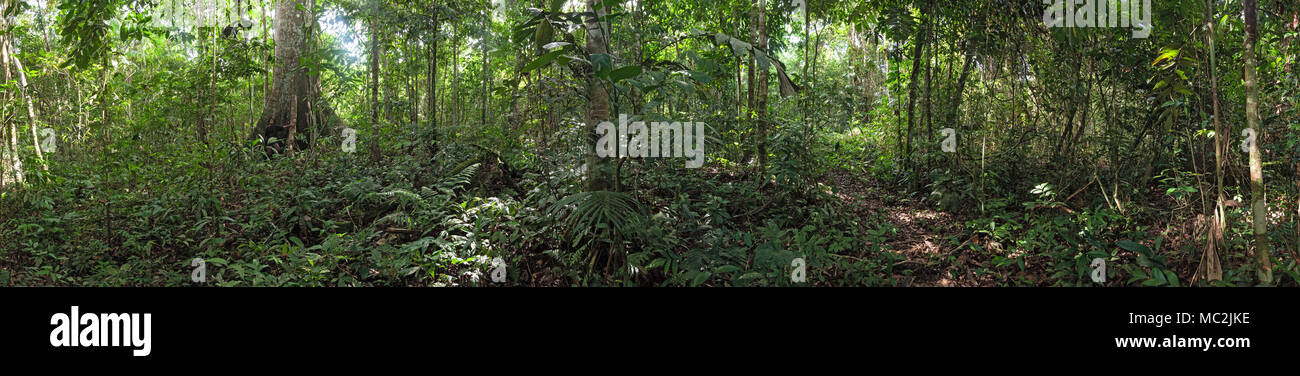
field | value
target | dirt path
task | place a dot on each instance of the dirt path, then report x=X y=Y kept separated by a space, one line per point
x=935 y=250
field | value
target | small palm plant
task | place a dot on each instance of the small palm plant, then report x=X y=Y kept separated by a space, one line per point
x=599 y=217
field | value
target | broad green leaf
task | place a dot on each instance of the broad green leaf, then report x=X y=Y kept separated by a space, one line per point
x=541 y=61
x=700 y=278
x=701 y=77
x=727 y=269
x=1171 y=278
x=1133 y=247
x=602 y=64
x=625 y=73
x=554 y=45
x=1165 y=54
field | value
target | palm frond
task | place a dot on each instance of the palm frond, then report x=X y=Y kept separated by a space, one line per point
x=598 y=213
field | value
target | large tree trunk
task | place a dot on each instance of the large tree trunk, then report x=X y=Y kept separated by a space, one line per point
x=293 y=88
x=1258 y=207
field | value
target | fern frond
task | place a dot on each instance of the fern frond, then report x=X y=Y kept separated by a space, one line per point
x=458 y=178
x=396 y=218
x=403 y=198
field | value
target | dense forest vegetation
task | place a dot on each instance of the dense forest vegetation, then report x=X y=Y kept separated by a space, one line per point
x=649 y=143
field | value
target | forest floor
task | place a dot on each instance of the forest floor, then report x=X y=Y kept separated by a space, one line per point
x=932 y=243
x=937 y=249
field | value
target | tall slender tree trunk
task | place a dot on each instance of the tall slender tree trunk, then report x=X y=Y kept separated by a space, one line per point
x=266 y=34
x=927 y=113
x=32 y=121
x=1295 y=27
x=431 y=101
x=958 y=95
x=598 y=169
x=374 y=63
x=413 y=82
x=12 y=163
x=919 y=44
x=376 y=53
x=760 y=95
x=212 y=108
x=1258 y=207
x=455 y=79
x=487 y=59
x=901 y=142
x=750 y=70
x=740 y=98
x=1210 y=267
x=740 y=86
x=807 y=62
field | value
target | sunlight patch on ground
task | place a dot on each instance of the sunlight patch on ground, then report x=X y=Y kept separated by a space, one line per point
x=904 y=217
x=925 y=246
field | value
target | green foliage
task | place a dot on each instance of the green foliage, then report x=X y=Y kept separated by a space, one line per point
x=1070 y=145
x=89 y=27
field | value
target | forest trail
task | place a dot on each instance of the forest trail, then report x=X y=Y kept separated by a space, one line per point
x=933 y=249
